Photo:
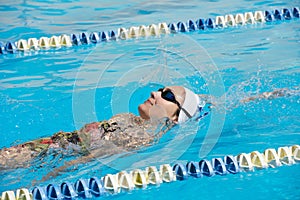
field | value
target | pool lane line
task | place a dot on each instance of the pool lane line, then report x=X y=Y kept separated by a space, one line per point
x=127 y=181
x=84 y=38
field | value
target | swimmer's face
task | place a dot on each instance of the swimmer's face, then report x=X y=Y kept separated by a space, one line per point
x=156 y=106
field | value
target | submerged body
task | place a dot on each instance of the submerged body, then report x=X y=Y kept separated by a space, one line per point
x=123 y=132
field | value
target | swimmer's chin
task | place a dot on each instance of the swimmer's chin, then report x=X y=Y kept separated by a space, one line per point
x=144 y=111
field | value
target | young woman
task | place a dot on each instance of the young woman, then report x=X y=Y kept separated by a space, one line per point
x=123 y=132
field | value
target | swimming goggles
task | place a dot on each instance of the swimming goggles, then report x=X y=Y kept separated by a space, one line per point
x=168 y=95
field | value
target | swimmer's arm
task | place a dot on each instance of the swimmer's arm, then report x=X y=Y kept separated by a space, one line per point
x=282 y=92
x=93 y=154
x=57 y=171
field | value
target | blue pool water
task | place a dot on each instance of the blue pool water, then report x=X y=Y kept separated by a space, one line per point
x=48 y=91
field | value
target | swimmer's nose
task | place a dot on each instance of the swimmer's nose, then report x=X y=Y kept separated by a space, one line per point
x=153 y=95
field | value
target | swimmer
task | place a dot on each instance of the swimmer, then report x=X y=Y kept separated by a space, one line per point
x=163 y=110
x=123 y=132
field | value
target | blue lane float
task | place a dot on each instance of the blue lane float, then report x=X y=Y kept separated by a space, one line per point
x=75 y=39
x=53 y=192
x=296 y=12
x=193 y=169
x=82 y=189
x=38 y=193
x=180 y=171
x=278 y=14
x=10 y=47
x=94 y=37
x=269 y=17
x=84 y=38
x=206 y=168
x=219 y=166
x=209 y=23
x=192 y=26
x=68 y=191
x=111 y=35
x=231 y=164
x=2 y=48
x=173 y=28
x=182 y=27
x=95 y=187
x=200 y=24
x=104 y=36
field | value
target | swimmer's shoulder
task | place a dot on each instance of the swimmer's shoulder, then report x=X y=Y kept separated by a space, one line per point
x=127 y=118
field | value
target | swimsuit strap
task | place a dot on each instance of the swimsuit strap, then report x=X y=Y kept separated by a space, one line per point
x=71 y=137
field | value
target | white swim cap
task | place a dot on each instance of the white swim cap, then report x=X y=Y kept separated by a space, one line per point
x=190 y=104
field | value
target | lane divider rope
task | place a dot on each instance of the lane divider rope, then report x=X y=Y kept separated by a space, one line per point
x=84 y=38
x=137 y=178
